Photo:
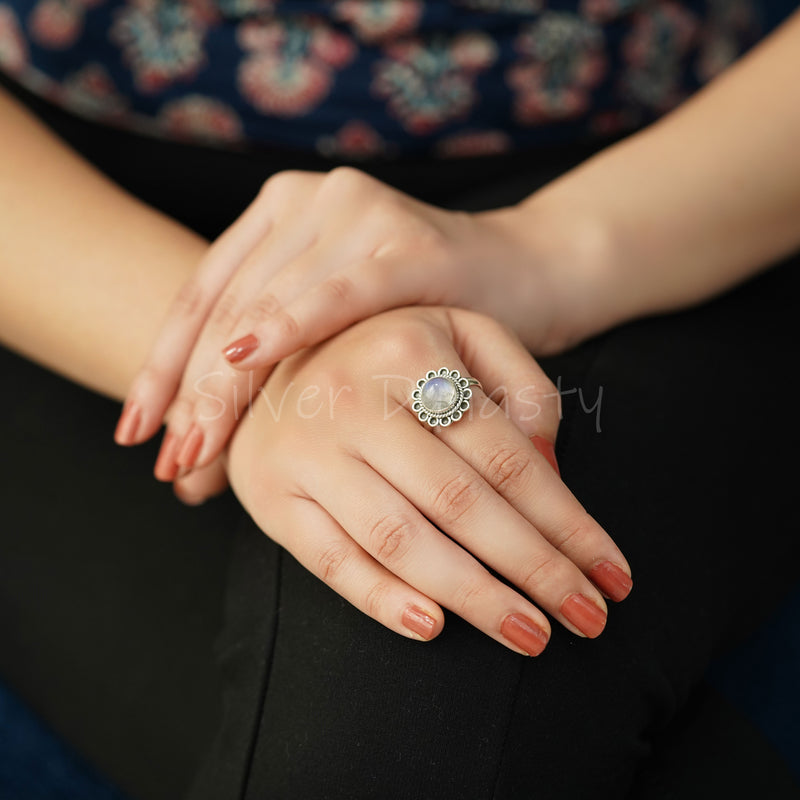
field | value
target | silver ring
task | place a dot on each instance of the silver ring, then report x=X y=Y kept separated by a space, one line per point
x=442 y=396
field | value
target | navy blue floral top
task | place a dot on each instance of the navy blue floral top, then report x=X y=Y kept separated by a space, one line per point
x=363 y=78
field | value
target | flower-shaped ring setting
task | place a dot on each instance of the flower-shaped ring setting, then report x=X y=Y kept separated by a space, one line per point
x=442 y=397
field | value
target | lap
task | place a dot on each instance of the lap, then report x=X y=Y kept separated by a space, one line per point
x=180 y=647
x=678 y=461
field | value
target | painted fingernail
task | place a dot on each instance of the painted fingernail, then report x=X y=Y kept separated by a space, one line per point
x=417 y=621
x=166 y=468
x=524 y=633
x=239 y=350
x=191 y=446
x=548 y=450
x=584 y=614
x=612 y=581
x=128 y=424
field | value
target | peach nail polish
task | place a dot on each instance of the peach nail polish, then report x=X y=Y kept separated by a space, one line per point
x=524 y=633
x=239 y=350
x=416 y=620
x=548 y=450
x=166 y=467
x=612 y=581
x=584 y=614
x=128 y=424
x=190 y=449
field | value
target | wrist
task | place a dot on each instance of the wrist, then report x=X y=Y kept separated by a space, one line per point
x=570 y=253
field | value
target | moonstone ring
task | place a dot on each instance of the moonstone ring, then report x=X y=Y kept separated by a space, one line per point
x=442 y=397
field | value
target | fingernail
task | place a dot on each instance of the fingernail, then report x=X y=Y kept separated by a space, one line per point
x=417 y=621
x=614 y=582
x=191 y=446
x=128 y=424
x=548 y=450
x=524 y=633
x=240 y=349
x=584 y=614
x=166 y=467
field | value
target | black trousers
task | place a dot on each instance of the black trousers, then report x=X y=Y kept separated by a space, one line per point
x=188 y=656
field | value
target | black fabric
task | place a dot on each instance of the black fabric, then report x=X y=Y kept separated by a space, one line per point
x=188 y=656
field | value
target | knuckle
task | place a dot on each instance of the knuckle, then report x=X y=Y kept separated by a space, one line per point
x=339 y=288
x=189 y=300
x=226 y=312
x=345 y=177
x=286 y=326
x=390 y=537
x=573 y=532
x=401 y=346
x=455 y=498
x=470 y=593
x=375 y=600
x=331 y=563
x=264 y=307
x=182 y=406
x=150 y=376
x=539 y=570
x=278 y=183
x=508 y=470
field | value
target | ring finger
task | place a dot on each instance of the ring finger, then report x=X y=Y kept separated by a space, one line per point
x=398 y=536
x=462 y=502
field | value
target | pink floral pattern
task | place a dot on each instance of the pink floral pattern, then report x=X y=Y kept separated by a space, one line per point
x=430 y=83
x=655 y=52
x=606 y=10
x=243 y=8
x=728 y=31
x=200 y=118
x=291 y=65
x=474 y=143
x=563 y=58
x=91 y=92
x=376 y=20
x=503 y=6
x=162 y=41
x=58 y=23
x=355 y=140
x=361 y=79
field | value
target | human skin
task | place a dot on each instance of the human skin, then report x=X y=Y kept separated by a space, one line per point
x=415 y=512
x=90 y=271
x=665 y=219
x=115 y=265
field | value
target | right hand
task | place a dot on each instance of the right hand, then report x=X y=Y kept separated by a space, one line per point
x=399 y=518
x=313 y=254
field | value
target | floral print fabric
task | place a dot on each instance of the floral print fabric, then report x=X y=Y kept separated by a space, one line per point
x=367 y=78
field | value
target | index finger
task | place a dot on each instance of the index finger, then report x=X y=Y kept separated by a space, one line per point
x=157 y=381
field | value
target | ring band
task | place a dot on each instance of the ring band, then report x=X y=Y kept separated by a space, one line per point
x=442 y=396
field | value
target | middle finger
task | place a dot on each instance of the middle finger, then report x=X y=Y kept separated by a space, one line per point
x=462 y=503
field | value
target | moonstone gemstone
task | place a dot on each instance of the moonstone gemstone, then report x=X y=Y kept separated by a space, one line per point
x=438 y=394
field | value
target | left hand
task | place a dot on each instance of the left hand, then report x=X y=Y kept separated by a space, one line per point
x=314 y=253
x=400 y=517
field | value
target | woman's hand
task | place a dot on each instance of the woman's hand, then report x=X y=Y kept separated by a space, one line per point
x=313 y=254
x=400 y=518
